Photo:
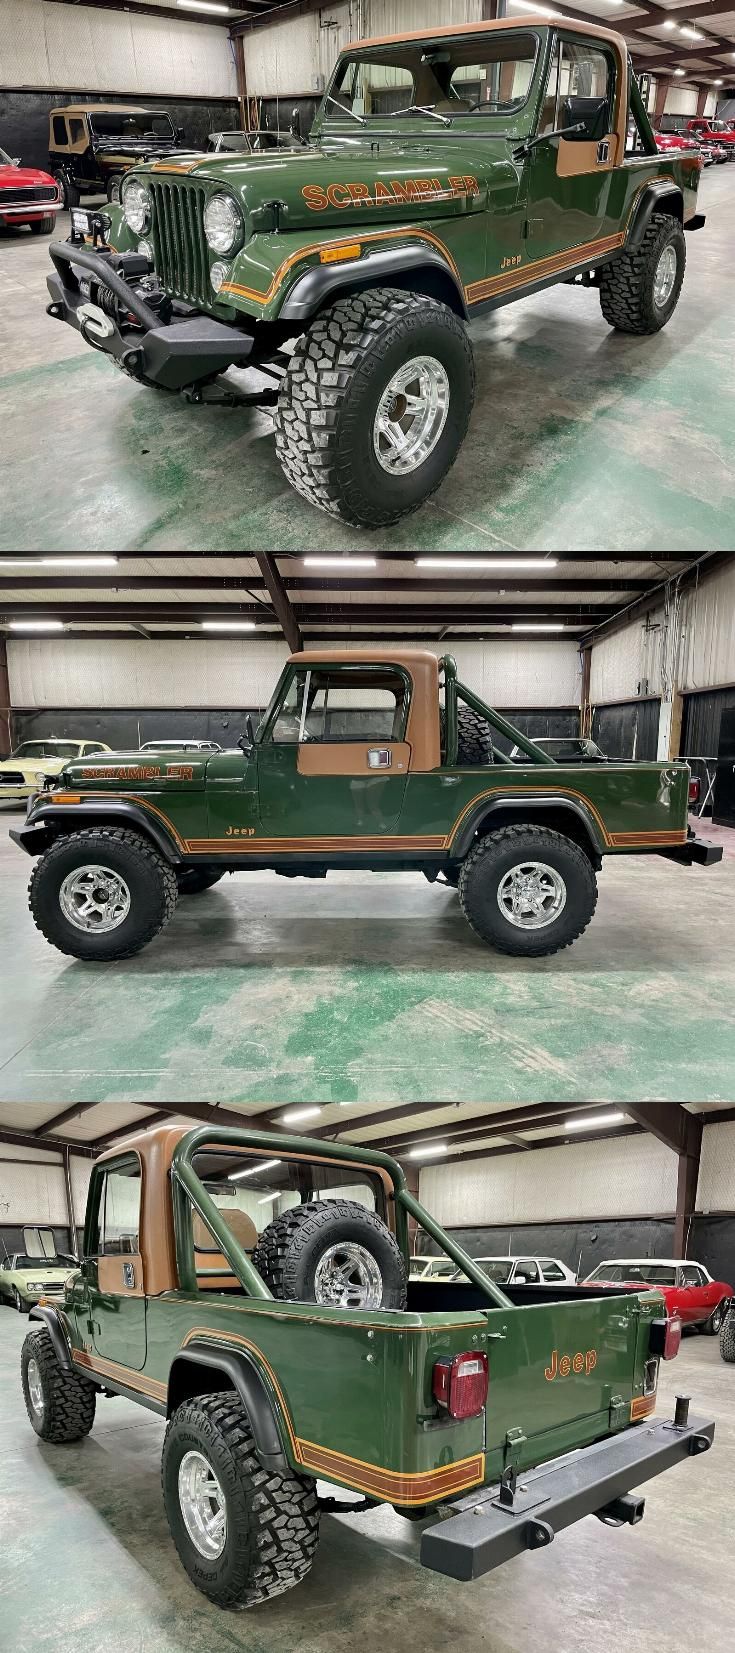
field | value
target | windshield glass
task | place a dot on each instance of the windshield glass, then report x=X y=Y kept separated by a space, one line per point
x=145 y=123
x=5 y=159
x=652 y=1274
x=47 y=749
x=474 y=76
x=497 y=1269
x=40 y=1265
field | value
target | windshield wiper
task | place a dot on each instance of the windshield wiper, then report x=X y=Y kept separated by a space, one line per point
x=422 y=109
x=344 y=110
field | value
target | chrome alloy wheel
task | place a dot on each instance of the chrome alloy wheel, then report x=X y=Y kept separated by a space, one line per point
x=348 y=1276
x=531 y=895
x=202 y=1505
x=411 y=415
x=664 y=277
x=94 y=899
x=35 y=1390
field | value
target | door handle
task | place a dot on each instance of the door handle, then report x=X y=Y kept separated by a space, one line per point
x=380 y=757
x=603 y=151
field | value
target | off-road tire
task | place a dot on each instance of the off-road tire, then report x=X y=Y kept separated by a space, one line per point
x=272 y=1517
x=474 y=737
x=727 y=1338
x=68 y=1400
x=626 y=286
x=69 y=192
x=488 y=862
x=43 y=226
x=114 y=183
x=151 y=881
x=192 y=880
x=330 y=393
x=289 y=1249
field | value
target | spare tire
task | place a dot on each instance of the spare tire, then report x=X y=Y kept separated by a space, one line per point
x=474 y=737
x=332 y=1252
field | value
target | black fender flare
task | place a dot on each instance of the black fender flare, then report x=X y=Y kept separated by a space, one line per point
x=50 y=1318
x=266 y=1422
x=532 y=801
x=652 y=198
x=91 y=812
x=322 y=283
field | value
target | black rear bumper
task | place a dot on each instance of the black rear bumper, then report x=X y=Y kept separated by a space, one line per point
x=172 y=355
x=695 y=852
x=482 y=1533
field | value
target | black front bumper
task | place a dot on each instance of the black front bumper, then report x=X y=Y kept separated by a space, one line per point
x=482 y=1532
x=173 y=355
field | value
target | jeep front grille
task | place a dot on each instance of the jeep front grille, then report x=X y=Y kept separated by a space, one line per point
x=177 y=230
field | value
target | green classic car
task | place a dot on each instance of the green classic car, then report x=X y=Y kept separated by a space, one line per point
x=448 y=172
x=23 y=1280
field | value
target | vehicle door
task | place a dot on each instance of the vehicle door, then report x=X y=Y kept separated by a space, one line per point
x=526 y=1272
x=58 y=137
x=683 y=1300
x=569 y=179
x=701 y=1296
x=6 y=1268
x=332 y=758
x=552 y=1273
x=113 y=1267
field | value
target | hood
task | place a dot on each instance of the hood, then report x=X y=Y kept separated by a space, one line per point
x=32 y=766
x=139 y=771
x=23 y=177
x=353 y=183
x=45 y=1271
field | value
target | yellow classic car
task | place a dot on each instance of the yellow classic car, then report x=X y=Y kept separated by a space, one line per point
x=24 y=1279
x=23 y=772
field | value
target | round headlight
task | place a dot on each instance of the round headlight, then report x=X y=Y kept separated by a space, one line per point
x=218 y=275
x=222 y=224
x=137 y=206
x=146 y=251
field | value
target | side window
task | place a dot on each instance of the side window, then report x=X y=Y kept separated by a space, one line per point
x=580 y=74
x=527 y=1272
x=119 y=1213
x=59 y=130
x=334 y=706
x=77 y=131
x=690 y=1276
x=551 y=1271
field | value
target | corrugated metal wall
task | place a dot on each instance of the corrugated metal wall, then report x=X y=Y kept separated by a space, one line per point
x=299 y=55
x=708 y=632
x=628 y=663
x=633 y=1176
x=700 y=735
x=107 y=51
x=716 y=1187
x=136 y=673
x=628 y=729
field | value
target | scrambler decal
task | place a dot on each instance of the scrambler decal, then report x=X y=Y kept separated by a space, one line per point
x=380 y=194
x=126 y=772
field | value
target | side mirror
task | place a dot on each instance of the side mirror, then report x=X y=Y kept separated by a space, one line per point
x=247 y=741
x=591 y=114
x=295 y=123
x=180 y=134
x=16 y=161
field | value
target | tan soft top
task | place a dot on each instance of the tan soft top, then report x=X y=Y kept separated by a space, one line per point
x=567 y=24
x=422 y=729
x=106 y=109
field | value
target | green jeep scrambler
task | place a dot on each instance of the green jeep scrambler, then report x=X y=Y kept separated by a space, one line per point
x=374 y=759
x=447 y=173
x=291 y=1348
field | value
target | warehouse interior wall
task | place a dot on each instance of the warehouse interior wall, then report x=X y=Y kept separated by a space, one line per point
x=58 y=54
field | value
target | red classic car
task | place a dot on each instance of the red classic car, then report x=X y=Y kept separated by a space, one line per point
x=715 y=132
x=691 y=1295
x=27 y=196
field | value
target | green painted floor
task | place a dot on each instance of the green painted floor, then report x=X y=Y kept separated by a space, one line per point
x=88 y=1565
x=371 y=987
x=580 y=439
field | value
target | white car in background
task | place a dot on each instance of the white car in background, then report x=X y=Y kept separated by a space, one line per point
x=524 y=1271
x=432 y=1268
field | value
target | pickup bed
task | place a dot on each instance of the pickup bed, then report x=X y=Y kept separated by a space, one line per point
x=253 y=1289
x=374 y=759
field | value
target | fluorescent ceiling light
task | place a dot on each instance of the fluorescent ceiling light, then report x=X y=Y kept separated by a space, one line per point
x=670 y=25
x=486 y=562
x=58 y=562
x=678 y=71
x=431 y=1149
x=588 y=1123
x=204 y=5
x=36 y=625
x=717 y=83
x=538 y=11
x=254 y=1170
x=295 y=1114
x=268 y=1199
x=531 y=625
x=340 y=562
x=692 y=34
x=227 y=625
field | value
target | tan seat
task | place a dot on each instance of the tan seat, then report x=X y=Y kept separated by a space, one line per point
x=218 y=1274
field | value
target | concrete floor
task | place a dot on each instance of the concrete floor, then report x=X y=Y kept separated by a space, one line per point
x=581 y=438
x=88 y=1565
x=371 y=987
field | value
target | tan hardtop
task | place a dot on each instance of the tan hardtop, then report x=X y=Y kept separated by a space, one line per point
x=105 y=109
x=422 y=728
x=566 y=24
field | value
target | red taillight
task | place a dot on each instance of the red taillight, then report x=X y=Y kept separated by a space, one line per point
x=694 y=790
x=672 y=1338
x=460 y=1384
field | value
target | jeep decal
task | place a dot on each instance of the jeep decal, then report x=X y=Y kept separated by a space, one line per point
x=562 y=1366
x=380 y=194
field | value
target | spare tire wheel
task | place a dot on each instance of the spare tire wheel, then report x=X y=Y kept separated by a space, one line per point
x=332 y=1252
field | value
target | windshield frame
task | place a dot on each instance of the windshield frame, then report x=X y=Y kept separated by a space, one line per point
x=5 y=158
x=137 y=114
x=327 y=121
x=46 y=757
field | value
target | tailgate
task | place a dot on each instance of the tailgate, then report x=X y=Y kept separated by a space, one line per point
x=563 y=1374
